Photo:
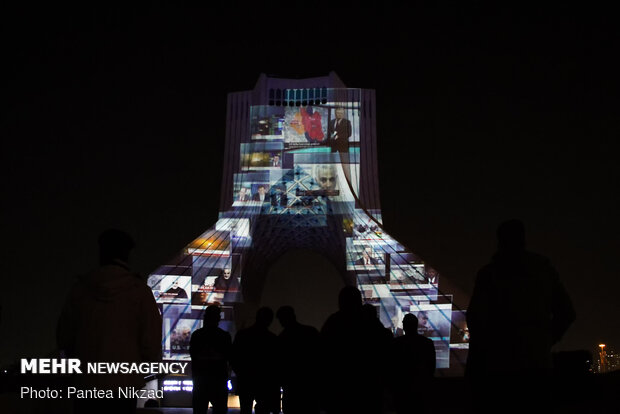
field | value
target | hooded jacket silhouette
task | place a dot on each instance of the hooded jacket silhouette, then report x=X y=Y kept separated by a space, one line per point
x=110 y=316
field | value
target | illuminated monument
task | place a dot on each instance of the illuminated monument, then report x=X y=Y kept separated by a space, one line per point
x=300 y=171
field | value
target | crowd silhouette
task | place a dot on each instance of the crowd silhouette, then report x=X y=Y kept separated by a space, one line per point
x=344 y=368
x=353 y=364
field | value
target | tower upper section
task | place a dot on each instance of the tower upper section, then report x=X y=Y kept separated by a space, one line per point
x=323 y=92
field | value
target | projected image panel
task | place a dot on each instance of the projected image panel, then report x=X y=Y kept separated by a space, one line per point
x=266 y=122
x=174 y=289
x=181 y=334
x=327 y=181
x=365 y=256
x=305 y=126
x=261 y=156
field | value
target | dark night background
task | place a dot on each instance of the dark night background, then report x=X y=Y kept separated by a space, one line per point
x=116 y=117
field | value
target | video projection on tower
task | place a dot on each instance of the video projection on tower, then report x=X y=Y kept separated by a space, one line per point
x=298 y=167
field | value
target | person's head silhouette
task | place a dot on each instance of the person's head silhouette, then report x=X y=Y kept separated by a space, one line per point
x=286 y=316
x=349 y=299
x=410 y=324
x=114 y=245
x=212 y=316
x=264 y=317
x=511 y=235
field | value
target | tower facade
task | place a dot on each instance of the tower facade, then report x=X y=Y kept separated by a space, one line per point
x=300 y=171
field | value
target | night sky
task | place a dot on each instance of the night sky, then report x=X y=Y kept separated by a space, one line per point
x=115 y=117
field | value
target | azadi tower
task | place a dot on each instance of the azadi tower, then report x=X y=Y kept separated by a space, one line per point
x=300 y=172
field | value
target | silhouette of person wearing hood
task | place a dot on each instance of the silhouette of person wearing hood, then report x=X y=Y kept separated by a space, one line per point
x=110 y=316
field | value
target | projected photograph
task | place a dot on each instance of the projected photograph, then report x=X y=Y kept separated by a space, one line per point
x=407 y=274
x=202 y=295
x=326 y=180
x=372 y=277
x=236 y=227
x=181 y=335
x=460 y=331
x=432 y=275
x=261 y=156
x=434 y=321
x=175 y=289
x=403 y=258
x=214 y=243
x=364 y=256
x=374 y=293
x=342 y=128
x=266 y=122
x=305 y=126
x=243 y=194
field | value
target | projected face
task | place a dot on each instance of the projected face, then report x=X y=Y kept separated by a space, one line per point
x=340 y=113
x=423 y=321
x=226 y=274
x=325 y=176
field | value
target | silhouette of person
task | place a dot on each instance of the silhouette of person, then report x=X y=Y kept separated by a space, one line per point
x=210 y=348
x=415 y=367
x=110 y=315
x=347 y=336
x=299 y=357
x=254 y=360
x=518 y=310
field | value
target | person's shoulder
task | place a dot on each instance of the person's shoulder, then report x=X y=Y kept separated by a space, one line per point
x=198 y=333
x=311 y=330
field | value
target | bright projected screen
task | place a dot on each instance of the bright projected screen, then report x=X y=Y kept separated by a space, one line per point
x=300 y=165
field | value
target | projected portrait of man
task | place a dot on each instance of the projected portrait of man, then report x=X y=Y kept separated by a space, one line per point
x=244 y=194
x=425 y=328
x=367 y=257
x=339 y=131
x=226 y=282
x=326 y=177
x=261 y=195
x=175 y=291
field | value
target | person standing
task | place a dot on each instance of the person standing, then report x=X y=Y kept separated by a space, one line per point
x=210 y=349
x=110 y=316
x=519 y=309
x=299 y=348
x=414 y=368
x=254 y=360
